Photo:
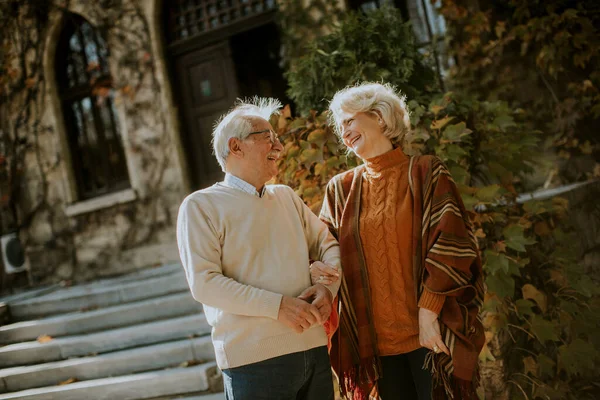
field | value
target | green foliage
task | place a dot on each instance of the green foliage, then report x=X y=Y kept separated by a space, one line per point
x=537 y=292
x=301 y=21
x=527 y=75
x=541 y=56
x=377 y=46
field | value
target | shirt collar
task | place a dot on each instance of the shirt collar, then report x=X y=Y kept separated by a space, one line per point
x=236 y=183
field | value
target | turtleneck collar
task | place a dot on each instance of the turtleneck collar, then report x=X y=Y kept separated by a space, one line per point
x=377 y=164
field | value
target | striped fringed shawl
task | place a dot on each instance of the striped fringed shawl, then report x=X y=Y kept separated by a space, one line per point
x=445 y=260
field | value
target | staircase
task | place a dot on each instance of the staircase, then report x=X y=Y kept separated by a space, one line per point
x=139 y=336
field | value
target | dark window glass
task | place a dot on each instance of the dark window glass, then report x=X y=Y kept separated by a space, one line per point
x=187 y=19
x=93 y=130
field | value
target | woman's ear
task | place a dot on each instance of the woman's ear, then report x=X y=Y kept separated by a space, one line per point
x=380 y=120
x=235 y=147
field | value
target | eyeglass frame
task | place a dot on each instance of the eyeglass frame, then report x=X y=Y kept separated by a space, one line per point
x=273 y=137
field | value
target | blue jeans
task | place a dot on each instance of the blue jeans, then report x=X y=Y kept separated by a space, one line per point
x=298 y=376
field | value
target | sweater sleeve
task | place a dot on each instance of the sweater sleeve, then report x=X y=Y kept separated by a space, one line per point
x=322 y=245
x=200 y=252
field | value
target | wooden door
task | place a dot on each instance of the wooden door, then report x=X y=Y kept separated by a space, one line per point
x=207 y=88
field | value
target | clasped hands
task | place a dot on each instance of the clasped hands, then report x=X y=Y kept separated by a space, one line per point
x=312 y=306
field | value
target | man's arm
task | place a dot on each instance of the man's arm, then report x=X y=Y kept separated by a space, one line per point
x=200 y=252
x=321 y=243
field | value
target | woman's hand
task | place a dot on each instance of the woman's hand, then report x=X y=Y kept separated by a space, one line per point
x=429 y=331
x=323 y=273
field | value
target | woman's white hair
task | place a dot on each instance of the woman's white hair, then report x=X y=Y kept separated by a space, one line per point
x=370 y=97
x=237 y=123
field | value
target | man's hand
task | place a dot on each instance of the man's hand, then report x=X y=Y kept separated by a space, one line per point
x=320 y=297
x=298 y=314
x=323 y=273
x=429 y=331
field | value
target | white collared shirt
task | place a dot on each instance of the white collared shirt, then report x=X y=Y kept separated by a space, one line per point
x=236 y=183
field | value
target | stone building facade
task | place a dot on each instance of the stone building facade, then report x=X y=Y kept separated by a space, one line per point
x=129 y=91
x=118 y=129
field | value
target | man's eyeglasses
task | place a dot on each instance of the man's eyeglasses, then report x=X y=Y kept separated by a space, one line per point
x=272 y=136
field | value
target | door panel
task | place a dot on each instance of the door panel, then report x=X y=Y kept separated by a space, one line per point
x=207 y=89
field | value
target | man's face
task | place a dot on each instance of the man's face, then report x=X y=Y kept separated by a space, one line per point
x=262 y=148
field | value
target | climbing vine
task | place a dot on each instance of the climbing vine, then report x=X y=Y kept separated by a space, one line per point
x=30 y=164
x=541 y=309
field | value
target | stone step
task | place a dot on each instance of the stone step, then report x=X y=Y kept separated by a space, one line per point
x=200 y=396
x=100 y=294
x=124 y=362
x=145 y=385
x=84 y=322
x=27 y=353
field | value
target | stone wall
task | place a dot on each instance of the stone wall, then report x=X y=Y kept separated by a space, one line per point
x=68 y=239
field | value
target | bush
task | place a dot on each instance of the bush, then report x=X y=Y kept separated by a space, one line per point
x=538 y=294
x=377 y=46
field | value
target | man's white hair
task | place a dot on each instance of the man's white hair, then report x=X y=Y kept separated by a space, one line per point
x=237 y=123
x=370 y=97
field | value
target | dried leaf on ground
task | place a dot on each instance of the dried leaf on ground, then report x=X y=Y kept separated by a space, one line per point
x=44 y=338
x=67 y=382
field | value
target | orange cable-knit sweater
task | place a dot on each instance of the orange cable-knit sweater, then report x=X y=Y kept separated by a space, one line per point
x=386 y=215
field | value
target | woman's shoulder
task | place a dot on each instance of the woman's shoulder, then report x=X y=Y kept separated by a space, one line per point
x=344 y=176
x=426 y=163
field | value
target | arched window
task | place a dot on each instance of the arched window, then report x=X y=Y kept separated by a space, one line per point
x=93 y=134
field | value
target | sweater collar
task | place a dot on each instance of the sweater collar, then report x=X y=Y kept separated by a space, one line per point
x=377 y=164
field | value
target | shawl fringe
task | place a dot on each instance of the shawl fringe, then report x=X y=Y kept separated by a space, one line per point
x=447 y=386
x=357 y=381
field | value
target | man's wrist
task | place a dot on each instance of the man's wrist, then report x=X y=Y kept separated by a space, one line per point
x=330 y=291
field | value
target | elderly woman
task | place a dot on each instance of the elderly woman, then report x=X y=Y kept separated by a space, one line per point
x=412 y=282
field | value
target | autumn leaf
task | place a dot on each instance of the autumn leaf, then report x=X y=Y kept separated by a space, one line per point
x=67 y=382
x=44 y=338
x=500 y=247
x=439 y=124
x=436 y=109
x=479 y=233
x=318 y=136
x=530 y=365
x=530 y=292
x=542 y=229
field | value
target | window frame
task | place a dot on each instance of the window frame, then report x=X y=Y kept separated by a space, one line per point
x=72 y=94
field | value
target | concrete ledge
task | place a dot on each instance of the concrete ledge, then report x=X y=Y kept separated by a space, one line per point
x=84 y=322
x=100 y=202
x=147 y=358
x=101 y=342
x=101 y=295
x=131 y=387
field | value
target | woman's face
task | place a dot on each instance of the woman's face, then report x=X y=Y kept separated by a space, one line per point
x=363 y=133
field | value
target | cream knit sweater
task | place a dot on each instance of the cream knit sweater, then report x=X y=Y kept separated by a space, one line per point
x=241 y=254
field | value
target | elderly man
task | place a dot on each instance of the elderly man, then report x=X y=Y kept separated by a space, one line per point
x=246 y=248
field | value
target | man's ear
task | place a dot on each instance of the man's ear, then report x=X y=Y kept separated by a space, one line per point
x=234 y=147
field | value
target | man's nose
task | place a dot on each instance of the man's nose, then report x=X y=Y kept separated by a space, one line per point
x=277 y=145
